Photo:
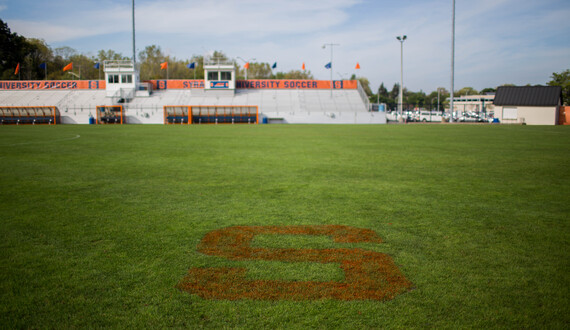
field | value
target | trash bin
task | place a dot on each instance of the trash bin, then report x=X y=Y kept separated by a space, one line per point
x=264 y=120
x=91 y=121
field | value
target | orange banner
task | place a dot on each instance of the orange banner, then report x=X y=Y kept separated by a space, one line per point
x=260 y=84
x=51 y=84
x=296 y=84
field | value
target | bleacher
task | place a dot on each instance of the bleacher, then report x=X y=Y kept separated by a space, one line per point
x=285 y=105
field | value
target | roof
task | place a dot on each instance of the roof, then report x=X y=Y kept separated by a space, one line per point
x=528 y=95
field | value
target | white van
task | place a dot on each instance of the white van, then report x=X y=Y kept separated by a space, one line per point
x=430 y=116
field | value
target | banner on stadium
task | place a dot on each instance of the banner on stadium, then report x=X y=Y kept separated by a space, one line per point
x=179 y=84
x=260 y=84
x=296 y=84
x=51 y=84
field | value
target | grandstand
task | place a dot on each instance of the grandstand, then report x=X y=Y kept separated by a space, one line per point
x=275 y=101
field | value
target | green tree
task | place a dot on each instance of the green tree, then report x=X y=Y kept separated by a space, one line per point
x=466 y=91
x=257 y=71
x=364 y=83
x=150 y=59
x=13 y=48
x=109 y=55
x=395 y=91
x=563 y=80
x=382 y=91
x=487 y=90
x=432 y=98
x=416 y=100
x=294 y=74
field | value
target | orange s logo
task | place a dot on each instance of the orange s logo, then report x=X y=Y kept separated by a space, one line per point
x=368 y=274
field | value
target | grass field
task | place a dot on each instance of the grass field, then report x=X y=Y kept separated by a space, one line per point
x=100 y=223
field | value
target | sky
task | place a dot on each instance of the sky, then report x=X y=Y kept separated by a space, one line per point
x=496 y=41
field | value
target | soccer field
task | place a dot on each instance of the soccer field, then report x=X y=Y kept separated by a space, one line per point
x=100 y=225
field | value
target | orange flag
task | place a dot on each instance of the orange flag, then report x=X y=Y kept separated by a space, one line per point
x=68 y=67
x=164 y=66
x=246 y=66
x=303 y=65
x=17 y=69
x=357 y=66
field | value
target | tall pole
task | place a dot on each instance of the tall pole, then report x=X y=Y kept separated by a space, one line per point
x=401 y=96
x=134 y=49
x=331 y=68
x=452 y=62
x=438 y=99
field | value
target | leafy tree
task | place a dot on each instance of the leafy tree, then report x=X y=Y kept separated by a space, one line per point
x=38 y=53
x=382 y=91
x=257 y=71
x=431 y=99
x=13 y=50
x=466 y=91
x=109 y=55
x=416 y=100
x=365 y=84
x=294 y=74
x=395 y=91
x=150 y=59
x=563 y=80
x=488 y=90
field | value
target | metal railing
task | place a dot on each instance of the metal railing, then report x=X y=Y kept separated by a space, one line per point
x=363 y=96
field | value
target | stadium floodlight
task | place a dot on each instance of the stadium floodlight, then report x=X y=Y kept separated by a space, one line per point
x=401 y=39
x=331 y=45
x=452 y=63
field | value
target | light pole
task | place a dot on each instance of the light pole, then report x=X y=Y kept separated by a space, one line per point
x=452 y=63
x=438 y=90
x=401 y=39
x=331 y=45
x=246 y=62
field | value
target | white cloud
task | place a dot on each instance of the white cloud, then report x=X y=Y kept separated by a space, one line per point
x=494 y=38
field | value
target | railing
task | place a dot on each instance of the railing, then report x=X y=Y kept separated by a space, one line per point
x=211 y=60
x=123 y=64
x=363 y=96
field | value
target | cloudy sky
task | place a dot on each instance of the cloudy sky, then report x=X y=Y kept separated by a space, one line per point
x=497 y=41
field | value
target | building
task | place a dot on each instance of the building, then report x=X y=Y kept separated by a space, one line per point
x=218 y=99
x=532 y=105
x=474 y=103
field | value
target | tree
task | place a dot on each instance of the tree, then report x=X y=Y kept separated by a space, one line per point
x=38 y=53
x=563 y=80
x=150 y=59
x=382 y=91
x=466 y=91
x=257 y=71
x=294 y=74
x=395 y=91
x=364 y=83
x=12 y=51
x=486 y=91
x=109 y=55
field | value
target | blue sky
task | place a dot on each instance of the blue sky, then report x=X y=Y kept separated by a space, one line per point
x=497 y=41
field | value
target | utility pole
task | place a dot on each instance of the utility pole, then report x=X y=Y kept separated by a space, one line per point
x=401 y=96
x=331 y=68
x=452 y=62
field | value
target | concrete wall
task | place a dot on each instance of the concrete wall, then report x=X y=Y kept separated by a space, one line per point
x=325 y=117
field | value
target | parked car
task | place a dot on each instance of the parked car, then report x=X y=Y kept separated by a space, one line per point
x=430 y=116
x=471 y=117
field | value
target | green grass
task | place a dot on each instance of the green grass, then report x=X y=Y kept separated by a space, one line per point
x=97 y=230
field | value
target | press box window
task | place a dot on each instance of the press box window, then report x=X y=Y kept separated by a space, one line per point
x=113 y=79
x=226 y=75
x=213 y=75
x=126 y=79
